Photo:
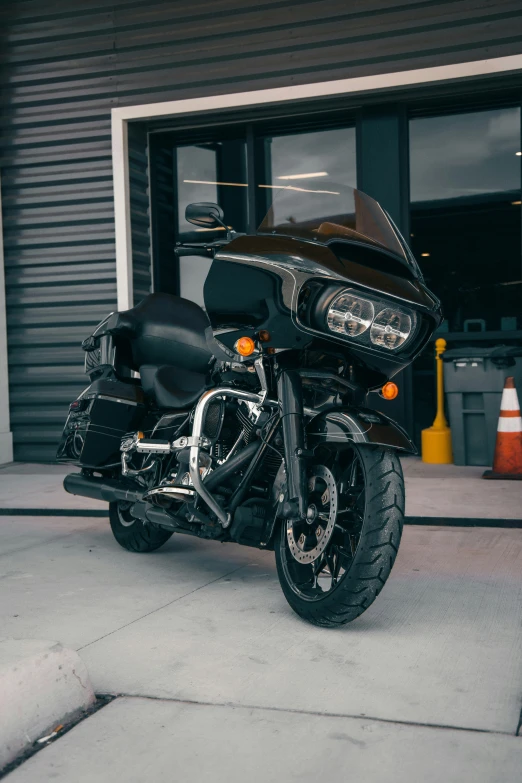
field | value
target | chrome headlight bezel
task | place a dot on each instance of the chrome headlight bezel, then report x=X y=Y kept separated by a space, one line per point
x=391 y=328
x=350 y=315
x=382 y=309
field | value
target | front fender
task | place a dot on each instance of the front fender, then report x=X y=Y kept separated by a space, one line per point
x=343 y=426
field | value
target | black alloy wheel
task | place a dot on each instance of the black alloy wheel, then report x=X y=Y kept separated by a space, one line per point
x=333 y=564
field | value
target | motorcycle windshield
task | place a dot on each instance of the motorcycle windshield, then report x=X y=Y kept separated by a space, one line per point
x=328 y=211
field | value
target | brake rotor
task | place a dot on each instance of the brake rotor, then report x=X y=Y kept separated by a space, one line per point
x=308 y=538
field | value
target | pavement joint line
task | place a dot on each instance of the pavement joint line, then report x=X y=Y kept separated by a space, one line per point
x=463 y=522
x=408 y=520
x=32 y=750
x=159 y=608
x=311 y=713
x=53 y=512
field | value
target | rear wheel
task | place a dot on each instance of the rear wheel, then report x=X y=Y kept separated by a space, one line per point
x=334 y=564
x=131 y=533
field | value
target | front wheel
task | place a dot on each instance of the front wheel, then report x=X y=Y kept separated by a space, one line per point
x=131 y=533
x=334 y=564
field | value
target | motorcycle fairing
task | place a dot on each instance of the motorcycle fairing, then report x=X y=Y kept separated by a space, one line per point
x=242 y=305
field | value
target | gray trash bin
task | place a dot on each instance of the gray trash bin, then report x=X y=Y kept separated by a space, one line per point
x=473 y=382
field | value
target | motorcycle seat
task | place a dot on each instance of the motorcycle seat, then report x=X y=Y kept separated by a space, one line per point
x=172 y=387
x=162 y=330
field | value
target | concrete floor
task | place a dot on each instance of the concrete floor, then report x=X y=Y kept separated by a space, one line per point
x=39 y=486
x=431 y=491
x=221 y=680
x=135 y=740
x=458 y=491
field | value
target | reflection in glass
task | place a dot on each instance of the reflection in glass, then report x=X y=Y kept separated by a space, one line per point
x=466 y=228
x=197 y=180
x=322 y=154
x=461 y=155
x=213 y=172
x=308 y=162
x=465 y=216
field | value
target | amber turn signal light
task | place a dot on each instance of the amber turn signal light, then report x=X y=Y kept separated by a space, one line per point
x=389 y=391
x=245 y=346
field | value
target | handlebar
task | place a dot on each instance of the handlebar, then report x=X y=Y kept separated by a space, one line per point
x=198 y=250
x=206 y=249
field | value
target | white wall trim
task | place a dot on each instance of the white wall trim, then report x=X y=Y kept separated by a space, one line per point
x=6 y=437
x=354 y=86
x=122 y=223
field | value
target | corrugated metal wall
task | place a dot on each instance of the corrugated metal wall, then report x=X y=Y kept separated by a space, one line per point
x=66 y=64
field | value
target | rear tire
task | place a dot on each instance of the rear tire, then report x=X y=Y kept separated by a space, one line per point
x=131 y=533
x=373 y=533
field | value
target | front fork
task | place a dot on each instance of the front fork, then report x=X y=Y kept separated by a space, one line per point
x=290 y=393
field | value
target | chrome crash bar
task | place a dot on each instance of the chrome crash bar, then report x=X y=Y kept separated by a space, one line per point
x=196 y=439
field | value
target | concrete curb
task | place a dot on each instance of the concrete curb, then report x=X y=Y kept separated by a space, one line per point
x=41 y=684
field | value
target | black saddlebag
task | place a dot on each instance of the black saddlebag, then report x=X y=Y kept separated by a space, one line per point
x=97 y=421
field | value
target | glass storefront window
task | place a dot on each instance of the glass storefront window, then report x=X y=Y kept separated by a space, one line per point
x=466 y=216
x=212 y=172
x=208 y=172
x=308 y=161
x=217 y=171
x=197 y=180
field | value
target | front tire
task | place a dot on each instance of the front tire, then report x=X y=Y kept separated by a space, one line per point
x=367 y=508
x=131 y=533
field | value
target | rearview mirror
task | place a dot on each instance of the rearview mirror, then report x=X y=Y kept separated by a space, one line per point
x=205 y=214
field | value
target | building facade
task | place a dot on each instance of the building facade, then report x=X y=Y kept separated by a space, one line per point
x=116 y=115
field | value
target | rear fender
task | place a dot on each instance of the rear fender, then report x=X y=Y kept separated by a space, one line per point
x=345 y=426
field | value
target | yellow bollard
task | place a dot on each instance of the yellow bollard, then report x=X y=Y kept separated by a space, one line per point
x=436 y=440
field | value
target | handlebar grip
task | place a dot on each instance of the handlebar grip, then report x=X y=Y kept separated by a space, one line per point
x=191 y=251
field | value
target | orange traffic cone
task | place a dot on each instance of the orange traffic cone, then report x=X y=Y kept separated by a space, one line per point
x=507 y=462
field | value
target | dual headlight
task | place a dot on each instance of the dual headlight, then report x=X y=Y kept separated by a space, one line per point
x=369 y=320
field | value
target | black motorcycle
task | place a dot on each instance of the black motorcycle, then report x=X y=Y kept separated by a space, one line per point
x=246 y=422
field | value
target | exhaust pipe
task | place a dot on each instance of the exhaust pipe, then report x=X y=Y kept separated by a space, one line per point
x=109 y=490
x=231 y=466
x=112 y=490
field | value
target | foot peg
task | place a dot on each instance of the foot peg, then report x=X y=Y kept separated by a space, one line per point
x=150 y=446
